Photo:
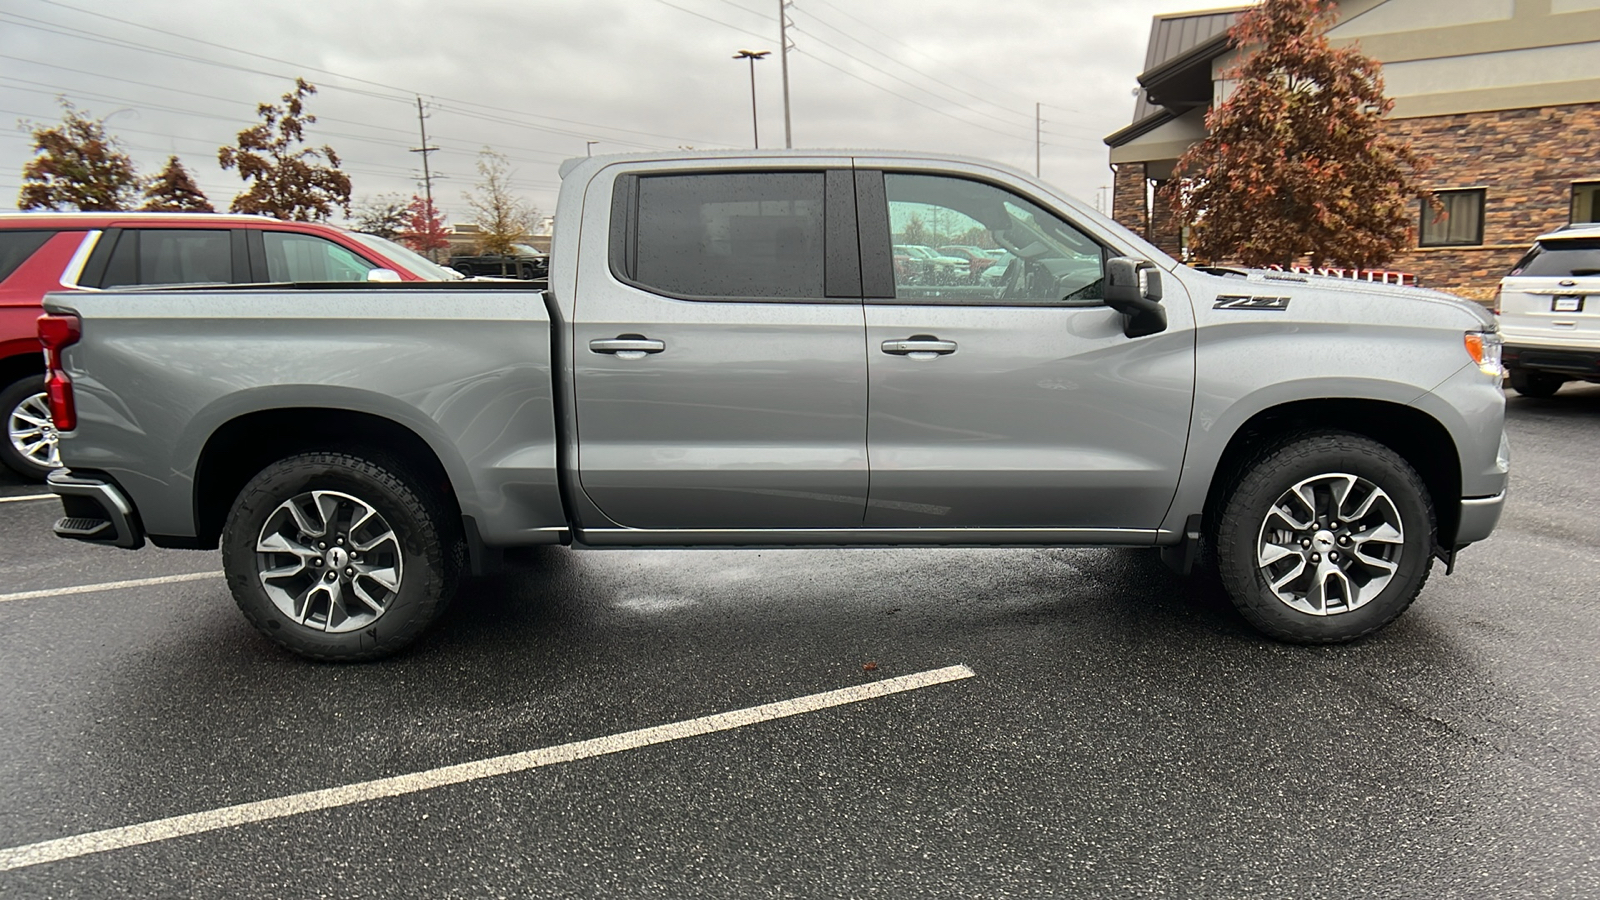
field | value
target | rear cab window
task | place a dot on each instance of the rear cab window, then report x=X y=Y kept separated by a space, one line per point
x=755 y=236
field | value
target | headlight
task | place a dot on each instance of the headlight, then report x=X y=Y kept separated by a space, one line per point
x=1484 y=348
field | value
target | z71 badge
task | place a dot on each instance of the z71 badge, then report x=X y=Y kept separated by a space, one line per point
x=1240 y=301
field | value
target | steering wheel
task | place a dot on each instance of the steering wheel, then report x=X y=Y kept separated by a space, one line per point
x=1013 y=281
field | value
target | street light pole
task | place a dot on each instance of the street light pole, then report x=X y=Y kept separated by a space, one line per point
x=753 y=55
x=588 y=147
x=783 y=57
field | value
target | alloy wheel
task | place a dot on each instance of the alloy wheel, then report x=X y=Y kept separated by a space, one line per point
x=1330 y=544
x=32 y=432
x=329 y=561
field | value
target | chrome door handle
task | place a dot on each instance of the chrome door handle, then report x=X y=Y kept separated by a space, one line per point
x=920 y=346
x=628 y=346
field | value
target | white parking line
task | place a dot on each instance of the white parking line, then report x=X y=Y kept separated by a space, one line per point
x=29 y=497
x=108 y=586
x=310 y=801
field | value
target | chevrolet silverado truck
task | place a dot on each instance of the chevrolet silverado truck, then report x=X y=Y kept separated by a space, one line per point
x=724 y=358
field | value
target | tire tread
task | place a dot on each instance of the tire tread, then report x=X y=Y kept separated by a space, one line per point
x=1235 y=524
x=393 y=475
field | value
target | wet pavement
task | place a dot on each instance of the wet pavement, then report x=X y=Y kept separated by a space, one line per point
x=1124 y=733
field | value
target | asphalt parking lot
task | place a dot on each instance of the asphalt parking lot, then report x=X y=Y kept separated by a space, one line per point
x=1117 y=731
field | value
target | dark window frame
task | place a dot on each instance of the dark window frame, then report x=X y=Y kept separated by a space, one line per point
x=1426 y=216
x=1594 y=203
x=842 y=271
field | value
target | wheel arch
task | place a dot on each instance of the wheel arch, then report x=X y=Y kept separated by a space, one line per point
x=1420 y=439
x=248 y=443
x=17 y=364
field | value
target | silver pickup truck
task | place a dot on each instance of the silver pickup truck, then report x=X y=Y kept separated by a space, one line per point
x=732 y=353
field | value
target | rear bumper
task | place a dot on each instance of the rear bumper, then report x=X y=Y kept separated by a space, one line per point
x=1579 y=362
x=96 y=510
x=1479 y=515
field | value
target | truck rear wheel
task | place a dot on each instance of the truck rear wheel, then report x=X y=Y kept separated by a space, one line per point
x=1325 y=538
x=338 y=557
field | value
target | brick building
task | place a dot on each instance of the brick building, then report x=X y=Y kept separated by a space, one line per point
x=1503 y=95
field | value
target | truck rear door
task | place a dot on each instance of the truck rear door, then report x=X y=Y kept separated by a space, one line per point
x=719 y=370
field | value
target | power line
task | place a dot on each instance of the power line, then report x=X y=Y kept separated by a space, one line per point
x=935 y=94
x=924 y=53
x=53 y=90
x=941 y=112
x=821 y=21
x=84 y=34
x=742 y=8
x=764 y=37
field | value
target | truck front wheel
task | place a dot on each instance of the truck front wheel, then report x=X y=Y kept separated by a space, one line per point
x=1325 y=537
x=337 y=557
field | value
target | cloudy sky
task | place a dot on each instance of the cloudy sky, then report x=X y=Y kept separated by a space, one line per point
x=537 y=79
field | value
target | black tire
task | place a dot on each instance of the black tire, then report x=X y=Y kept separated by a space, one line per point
x=425 y=556
x=1241 y=532
x=11 y=401
x=1530 y=383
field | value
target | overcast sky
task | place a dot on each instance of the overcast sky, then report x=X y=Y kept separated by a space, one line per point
x=536 y=79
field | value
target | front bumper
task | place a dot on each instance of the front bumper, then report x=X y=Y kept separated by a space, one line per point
x=1479 y=515
x=96 y=510
x=1578 y=362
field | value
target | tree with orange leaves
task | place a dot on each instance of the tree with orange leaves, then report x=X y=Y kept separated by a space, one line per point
x=1297 y=163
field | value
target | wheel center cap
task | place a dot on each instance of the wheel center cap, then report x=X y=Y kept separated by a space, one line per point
x=1322 y=541
x=336 y=557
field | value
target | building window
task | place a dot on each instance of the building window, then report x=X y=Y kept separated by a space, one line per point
x=1586 y=202
x=1459 y=223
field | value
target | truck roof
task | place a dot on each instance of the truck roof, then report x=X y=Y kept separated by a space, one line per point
x=839 y=153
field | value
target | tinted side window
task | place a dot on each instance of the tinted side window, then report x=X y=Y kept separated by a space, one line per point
x=171 y=256
x=301 y=257
x=17 y=246
x=1571 y=258
x=1004 y=248
x=746 y=234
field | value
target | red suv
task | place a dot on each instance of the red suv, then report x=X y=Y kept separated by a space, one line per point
x=43 y=252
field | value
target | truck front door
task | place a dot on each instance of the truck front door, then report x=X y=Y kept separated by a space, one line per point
x=1010 y=398
x=719 y=367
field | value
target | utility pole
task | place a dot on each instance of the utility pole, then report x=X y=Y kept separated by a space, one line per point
x=783 y=57
x=427 y=176
x=753 y=55
x=1036 y=128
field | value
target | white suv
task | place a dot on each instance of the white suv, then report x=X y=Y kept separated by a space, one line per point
x=1549 y=308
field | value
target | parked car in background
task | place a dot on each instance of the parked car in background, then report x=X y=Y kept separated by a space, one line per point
x=1549 y=308
x=977 y=258
x=923 y=261
x=49 y=251
x=524 y=262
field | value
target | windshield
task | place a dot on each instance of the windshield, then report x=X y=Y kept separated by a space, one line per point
x=415 y=263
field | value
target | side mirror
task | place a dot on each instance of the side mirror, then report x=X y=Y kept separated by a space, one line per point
x=382 y=275
x=1133 y=288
